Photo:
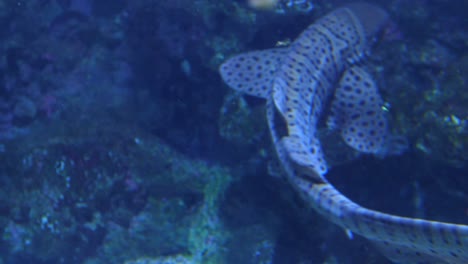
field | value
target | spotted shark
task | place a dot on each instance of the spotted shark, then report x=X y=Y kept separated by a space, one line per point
x=321 y=73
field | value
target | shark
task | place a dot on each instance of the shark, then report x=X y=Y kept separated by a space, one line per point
x=322 y=73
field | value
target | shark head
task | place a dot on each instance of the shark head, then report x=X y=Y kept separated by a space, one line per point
x=371 y=18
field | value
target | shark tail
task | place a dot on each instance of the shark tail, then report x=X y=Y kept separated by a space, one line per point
x=401 y=239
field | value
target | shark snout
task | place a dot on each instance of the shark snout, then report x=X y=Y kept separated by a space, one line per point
x=371 y=17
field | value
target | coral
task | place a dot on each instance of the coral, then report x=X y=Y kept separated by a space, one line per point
x=179 y=259
x=105 y=189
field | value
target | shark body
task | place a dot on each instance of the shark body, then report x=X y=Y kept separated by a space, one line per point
x=297 y=82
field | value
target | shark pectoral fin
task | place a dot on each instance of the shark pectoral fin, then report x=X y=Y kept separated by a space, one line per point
x=308 y=157
x=252 y=72
x=357 y=111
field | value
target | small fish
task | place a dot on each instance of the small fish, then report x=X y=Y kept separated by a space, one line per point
x=282 y=6
x=298 y=82
x=263 y=4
